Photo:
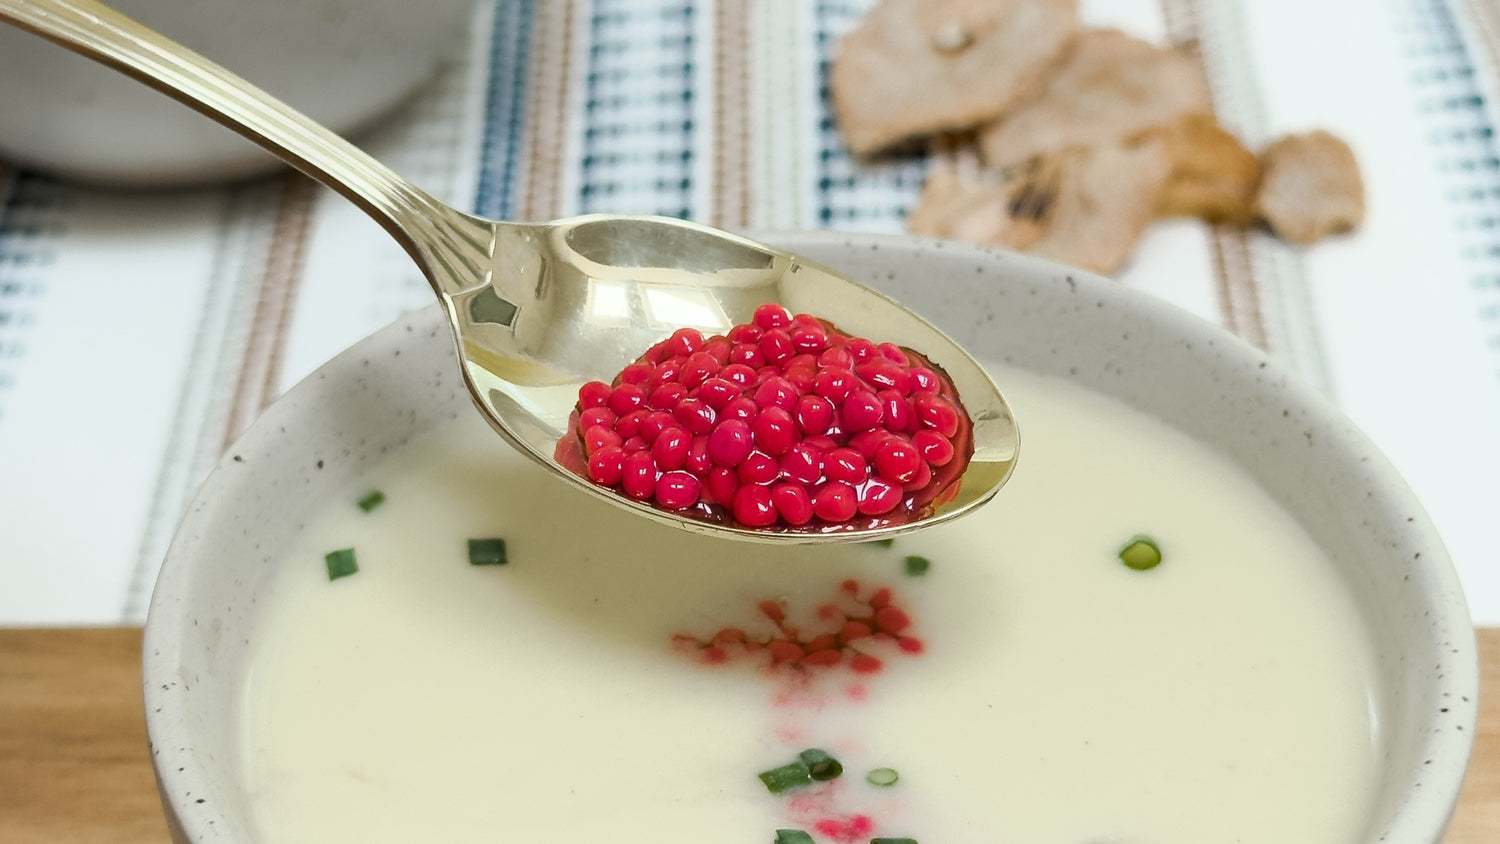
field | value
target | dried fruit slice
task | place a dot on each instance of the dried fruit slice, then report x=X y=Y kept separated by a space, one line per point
x=1311 y=187
x=784 y=423
x=1084 y=206
x=916 y=67
x=1214 y=177
x=1110 y=86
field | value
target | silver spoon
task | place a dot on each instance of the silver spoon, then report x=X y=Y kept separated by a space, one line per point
x=537 y=309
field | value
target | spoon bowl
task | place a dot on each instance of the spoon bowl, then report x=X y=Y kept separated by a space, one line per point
x=539 y=309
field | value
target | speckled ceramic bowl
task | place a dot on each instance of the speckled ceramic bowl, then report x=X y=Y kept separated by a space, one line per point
x=1019 y=310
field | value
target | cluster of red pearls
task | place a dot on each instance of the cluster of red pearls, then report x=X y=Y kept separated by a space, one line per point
x=784 y=421
x=843 y=627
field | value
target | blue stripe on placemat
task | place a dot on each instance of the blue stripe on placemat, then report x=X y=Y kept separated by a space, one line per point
x=1444 y=77
x=638 y=127
x=855 y=196
x=30 y=219
x=504 y=109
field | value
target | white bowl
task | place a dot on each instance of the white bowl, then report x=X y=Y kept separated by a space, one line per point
x=1022 y=311
x=342 y=62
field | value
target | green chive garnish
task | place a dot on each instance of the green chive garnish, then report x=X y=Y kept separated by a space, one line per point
x=882 y=543
x=793 y=836
x=787 y=777
x=340 y=563
x=893 y=841
x=883 y=777
x=917 y=565
x=820 y=766
x=371 y=501
x=487 y=552
x=1141 y=553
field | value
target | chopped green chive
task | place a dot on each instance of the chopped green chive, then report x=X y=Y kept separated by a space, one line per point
x=371 y=501
x=487 y=552
x=917 y=565
x=883 y=777
x=1141 y=553
x=793 y=836
x=787 y=777
x=340 y=563
x=882 y=543
x=820 y=765
x=893 y=841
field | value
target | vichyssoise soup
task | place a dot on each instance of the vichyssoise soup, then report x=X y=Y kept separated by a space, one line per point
x=1014 y=675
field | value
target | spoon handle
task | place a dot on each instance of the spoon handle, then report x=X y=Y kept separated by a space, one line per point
x=94 y=30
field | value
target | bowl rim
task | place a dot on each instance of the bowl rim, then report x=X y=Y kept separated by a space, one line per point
x=1426 y=810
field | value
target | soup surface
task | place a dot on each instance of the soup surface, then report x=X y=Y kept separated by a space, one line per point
x=1032 y=688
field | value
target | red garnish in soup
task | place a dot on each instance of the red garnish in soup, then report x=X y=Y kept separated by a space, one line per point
x=853 y=630
x=784 y=423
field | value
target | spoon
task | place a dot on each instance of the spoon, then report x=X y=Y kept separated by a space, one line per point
x=538 y=309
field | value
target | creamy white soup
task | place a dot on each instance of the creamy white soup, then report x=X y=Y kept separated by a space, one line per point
x=1029 y=687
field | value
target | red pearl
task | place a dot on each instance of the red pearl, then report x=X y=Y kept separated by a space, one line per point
x=860 y=349
x=882 y=374
x=776 y=346
x=670 y=449
x=792 y=503
x=655 y=422
x=814 y=414
x=722 y=484
x=845 y=465
x=629 y=425
x=747 y=355
x=878 y=497
x=718 y=349
x=607 y=465
x=934 y=447
x=865 y=442
x=596 y=416
x=598 y=437
x=835 y=384
x=742 y=408
x=922 y=478
x=809 y=338
x=897 y=460
x=899 y=415
x=635 y=373
x=738 y=374
x=594 y=394
x=747 y=333
x=717 y=392
x=694 y=415
x=730 y=443
x=861 y=411
x=835 y=358
x=697 y=460
x=698 y=368
x=935 y=412
x=759 y=468
x=924 y=380
x=776 y=392
x=666 y=396
x=771 y=315
x=639 y=475
x=892 y=352
x=684 y=341
x=753 y=506
x=802 y=463
x=625 y=398
x=835 y=502
x=774 y=431
x=677 y=490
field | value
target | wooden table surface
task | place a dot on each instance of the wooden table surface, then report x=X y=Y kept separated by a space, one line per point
x=73 y=765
